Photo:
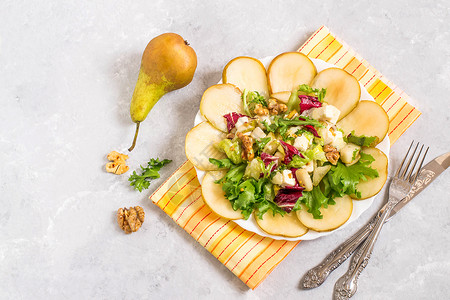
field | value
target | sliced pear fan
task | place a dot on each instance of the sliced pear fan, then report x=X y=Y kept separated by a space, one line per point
x=368 y=118
x=219 y=100
x=287 y=225
x=372 y=186
x=343 y=90
x=246 y=73
x=214 y=196
x=289 y=70
x=333 y=216
x=282 y=97
x=199 y=146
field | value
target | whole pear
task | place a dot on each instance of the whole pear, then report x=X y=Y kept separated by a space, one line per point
x=168 y=63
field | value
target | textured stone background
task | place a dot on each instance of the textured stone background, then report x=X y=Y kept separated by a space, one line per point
x=67 y=72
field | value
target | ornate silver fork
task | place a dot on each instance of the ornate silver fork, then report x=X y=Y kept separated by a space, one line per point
x=401 y=184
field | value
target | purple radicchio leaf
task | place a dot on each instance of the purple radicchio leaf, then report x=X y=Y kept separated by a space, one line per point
x=268 y=159
x=310 y=128
x=231 y=119
x=308 y=102
x=287 y=197
x=289 y=151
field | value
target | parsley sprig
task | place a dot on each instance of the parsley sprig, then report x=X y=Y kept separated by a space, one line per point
x=141 y=182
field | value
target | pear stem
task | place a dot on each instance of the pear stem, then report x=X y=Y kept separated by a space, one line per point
x=135 y=137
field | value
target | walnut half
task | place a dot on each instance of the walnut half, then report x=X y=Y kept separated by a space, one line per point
x=247 y=145
x=331 y=154
x=117 y=165
x=130 y=219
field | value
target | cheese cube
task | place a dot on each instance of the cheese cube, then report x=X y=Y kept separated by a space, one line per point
x=331 y=114
x=338 y=140
x=325 y=113
x=309 y=167
x=257 y=133
x=243 y=124
x=327 y=134
x=292 y=130
x=302 y=143
x=288 y=178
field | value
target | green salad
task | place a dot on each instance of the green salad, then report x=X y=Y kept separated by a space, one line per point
x=283 y=157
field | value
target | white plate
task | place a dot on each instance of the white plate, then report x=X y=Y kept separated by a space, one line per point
x=359 y=206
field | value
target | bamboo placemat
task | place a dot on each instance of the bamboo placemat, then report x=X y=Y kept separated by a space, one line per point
x=248 y=255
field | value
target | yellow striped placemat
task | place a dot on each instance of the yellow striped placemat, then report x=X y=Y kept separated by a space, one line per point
x=248 y=255
x=326 y=46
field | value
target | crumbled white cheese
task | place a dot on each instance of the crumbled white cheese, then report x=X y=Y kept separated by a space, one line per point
x=242 y=124
x=257 y=133
x=241 y=121
x=326 y=133
x=325 y=113
x=302 y=143
x=332 y=136
x=338 y=140
x=288 y=178
x=331 y=114
x=292 y=130
x=309 y=167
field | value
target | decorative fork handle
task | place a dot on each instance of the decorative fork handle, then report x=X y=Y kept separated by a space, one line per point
x=347 y=285
x=317 y=275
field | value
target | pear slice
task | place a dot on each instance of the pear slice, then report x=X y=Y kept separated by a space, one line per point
x=214 y=196
x=343 y=90
x=333 y=216
x=368 y=118
x=247 y=73
x=372 y=186
x=319 y=173
x=289 y=70
x=199 y=146
x=287 y=225
x=282 y=97
x=219 y=100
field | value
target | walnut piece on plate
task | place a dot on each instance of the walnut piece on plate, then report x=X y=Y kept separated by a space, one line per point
x=331 y=154
x=130 y=219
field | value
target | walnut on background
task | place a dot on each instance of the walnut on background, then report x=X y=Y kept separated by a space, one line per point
x=130 y=219
x=117 y=165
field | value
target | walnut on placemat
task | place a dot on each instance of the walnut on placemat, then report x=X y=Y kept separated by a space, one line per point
x=130 y=219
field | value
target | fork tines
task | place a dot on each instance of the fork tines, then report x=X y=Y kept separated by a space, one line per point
x=411 y=177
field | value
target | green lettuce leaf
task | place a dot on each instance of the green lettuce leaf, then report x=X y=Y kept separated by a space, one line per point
x=343 y=179
x=225 y=163
x=231 y=149
x=362 y=140
x=249 y=195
